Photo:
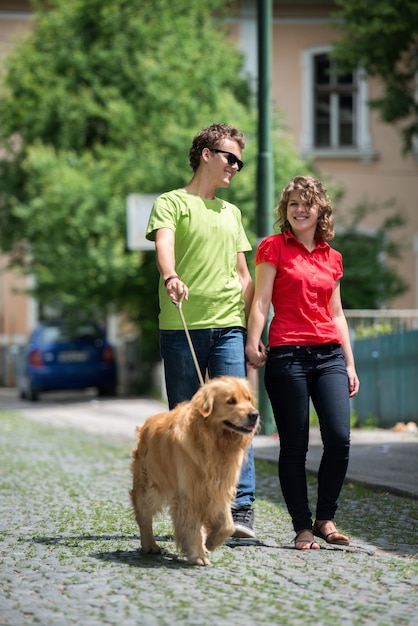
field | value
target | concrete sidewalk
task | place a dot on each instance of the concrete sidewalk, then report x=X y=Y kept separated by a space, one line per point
x=379 y=458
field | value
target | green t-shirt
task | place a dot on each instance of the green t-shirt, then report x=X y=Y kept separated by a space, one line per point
x=208 y=236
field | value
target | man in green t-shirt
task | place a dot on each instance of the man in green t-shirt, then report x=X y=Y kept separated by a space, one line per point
x=200 y=251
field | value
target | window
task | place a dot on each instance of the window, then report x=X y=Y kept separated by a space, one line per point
x=335 y=99
x=335 y=111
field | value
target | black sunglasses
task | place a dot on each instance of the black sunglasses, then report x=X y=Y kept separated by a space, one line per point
x=232 y=159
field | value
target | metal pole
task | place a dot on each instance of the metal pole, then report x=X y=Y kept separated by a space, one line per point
x=265 y=184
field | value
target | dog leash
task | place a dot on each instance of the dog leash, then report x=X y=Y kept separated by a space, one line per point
x=189 y=339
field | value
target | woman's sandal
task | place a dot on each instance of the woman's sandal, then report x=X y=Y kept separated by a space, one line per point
x=329 y=536
x=307 y=543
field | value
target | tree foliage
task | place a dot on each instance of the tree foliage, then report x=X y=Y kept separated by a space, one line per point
x=100 y=101
x=382 y=37
x=370 y=279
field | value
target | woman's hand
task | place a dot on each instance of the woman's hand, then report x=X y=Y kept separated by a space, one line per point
x=353 y=381
x=256 y=357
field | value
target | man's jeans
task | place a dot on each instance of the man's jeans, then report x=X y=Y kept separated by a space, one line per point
x=220 y=352
x=293 y=375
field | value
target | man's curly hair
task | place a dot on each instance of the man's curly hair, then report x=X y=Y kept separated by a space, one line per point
x=211 y=137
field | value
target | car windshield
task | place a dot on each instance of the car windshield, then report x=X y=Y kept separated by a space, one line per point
x=62 y=334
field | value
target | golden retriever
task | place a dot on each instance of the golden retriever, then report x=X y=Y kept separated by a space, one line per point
x=189 y=459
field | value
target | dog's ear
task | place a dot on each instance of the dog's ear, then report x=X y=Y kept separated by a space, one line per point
x=203 y=401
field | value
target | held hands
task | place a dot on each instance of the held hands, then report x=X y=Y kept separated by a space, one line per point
x=256 y=357
x=176 y=289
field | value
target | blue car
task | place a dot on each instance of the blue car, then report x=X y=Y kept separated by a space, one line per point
x=62 y=356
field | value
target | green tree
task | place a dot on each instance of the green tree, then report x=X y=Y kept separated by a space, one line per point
x=370 y=279
x=100 y=101
x=382 y=37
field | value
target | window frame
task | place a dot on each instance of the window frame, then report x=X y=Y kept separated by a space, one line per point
x=363 y=148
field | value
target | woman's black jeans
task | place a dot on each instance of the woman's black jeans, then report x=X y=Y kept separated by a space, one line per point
x=293 y=375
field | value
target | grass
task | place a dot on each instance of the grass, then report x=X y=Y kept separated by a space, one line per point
x=69 y=548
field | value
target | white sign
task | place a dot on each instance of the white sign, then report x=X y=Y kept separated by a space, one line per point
x=138 y=209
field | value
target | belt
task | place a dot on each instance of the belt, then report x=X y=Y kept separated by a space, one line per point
x=324 y=348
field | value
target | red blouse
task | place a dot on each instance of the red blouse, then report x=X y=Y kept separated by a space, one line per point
x=302 y=290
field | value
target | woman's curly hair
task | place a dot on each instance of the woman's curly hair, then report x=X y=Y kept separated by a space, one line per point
x=313 y=194
x=211 y=137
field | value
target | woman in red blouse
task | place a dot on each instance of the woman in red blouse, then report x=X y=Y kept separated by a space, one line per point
x=309 y=356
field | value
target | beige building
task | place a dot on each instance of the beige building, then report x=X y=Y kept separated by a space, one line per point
x=18 y=312
x=328 y=120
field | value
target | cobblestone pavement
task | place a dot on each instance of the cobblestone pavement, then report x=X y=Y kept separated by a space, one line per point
x=69 y=548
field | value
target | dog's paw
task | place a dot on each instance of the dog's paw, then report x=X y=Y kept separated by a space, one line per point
x=151 y=550
x=199 y=560
x=217 y=539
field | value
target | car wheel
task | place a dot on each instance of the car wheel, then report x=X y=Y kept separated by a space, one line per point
x=33 y=394
x=107 y=391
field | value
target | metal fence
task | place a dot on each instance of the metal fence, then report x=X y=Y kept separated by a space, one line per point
x=363 y=322
x=385 y=345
